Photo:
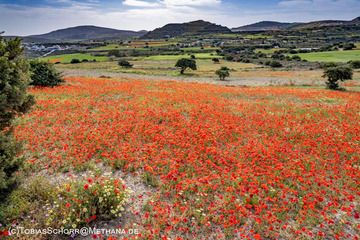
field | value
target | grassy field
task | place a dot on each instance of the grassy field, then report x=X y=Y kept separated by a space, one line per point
x=269 y=51
x=165 y=66
x=332 y=56
x=66 y=58
x=175 y=57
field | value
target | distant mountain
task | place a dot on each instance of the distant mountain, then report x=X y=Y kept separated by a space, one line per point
x=264 y=26
x=180 y=29
x=83 y=33
x=326 y=23
x=278 y=26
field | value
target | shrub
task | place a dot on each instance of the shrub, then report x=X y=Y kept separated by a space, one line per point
x=275 y=64
x=349 y=46
x=355 y=64
x=229 y=58
x=223 y=73
x=49 y=205
x=75 y=61
x=44 y=74
x=216 y=60
x=185 y=63
x=328 y=65
x=336 y=74
x=125 y=64
x=192 y=56
x=296 y=58
x=14 y=100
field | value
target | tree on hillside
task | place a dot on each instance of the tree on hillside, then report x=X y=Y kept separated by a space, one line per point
x=185 y=63
x=336 y=74
x=223 y=73
x=14 y=100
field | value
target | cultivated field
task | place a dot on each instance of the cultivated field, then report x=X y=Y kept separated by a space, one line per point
x=332 y=56
x=215 y=162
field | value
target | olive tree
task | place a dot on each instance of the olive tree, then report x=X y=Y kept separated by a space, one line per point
x=185 y=63
x=336 y=74
x=223 y=73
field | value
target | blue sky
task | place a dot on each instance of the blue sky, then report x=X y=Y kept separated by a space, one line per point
x=25 y=17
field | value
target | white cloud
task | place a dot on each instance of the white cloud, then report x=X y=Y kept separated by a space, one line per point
x=196 y=3
x=139 y=3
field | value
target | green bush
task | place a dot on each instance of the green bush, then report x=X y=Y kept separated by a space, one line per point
x=355 y=64
x=75 y=61
x=223 y=73
x=275 y=64
x=336 y=74
x=185 y=63
x=125 y=64
x=216 y=60
x=44 y=74
x=328 y=65
x=349 y=46
x=14 y=100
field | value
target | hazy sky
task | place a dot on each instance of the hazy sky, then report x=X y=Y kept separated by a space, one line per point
x=25 y=17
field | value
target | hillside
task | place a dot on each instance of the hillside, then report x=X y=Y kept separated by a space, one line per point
x=82 y=33
x=278 y=26
x=326 y=23
x=191 y=28
x=264 y=26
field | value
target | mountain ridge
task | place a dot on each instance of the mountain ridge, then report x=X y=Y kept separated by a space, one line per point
x=180 y=29
x=83 y=33
x=279 y=26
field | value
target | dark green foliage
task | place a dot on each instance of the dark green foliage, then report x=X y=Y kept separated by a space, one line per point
x=44 y=74
x=349 y=46
x=9 y=163
x=296 y=58
x=328 y=65
x=193 y=57
x=336 y=74
x=75 y=61
x=125 y=64
x=355 y=64
x=185 y=63
x=274 y=64
x=116 y=53
x=229 y=58
x=216 y=60
x=223 y=73
x=14 y=80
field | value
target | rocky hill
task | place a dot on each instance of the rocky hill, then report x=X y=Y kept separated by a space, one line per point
x=191 y=28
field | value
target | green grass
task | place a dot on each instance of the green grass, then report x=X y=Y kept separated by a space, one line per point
x=269 y=51
x=66 y=58
x=332 y=56
x=175 y=57
x=194 y=49
x=108 y=47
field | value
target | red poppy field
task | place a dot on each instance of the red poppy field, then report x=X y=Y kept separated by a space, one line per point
x=224 y=162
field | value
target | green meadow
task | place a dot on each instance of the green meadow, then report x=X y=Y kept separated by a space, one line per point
x=332 y=56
